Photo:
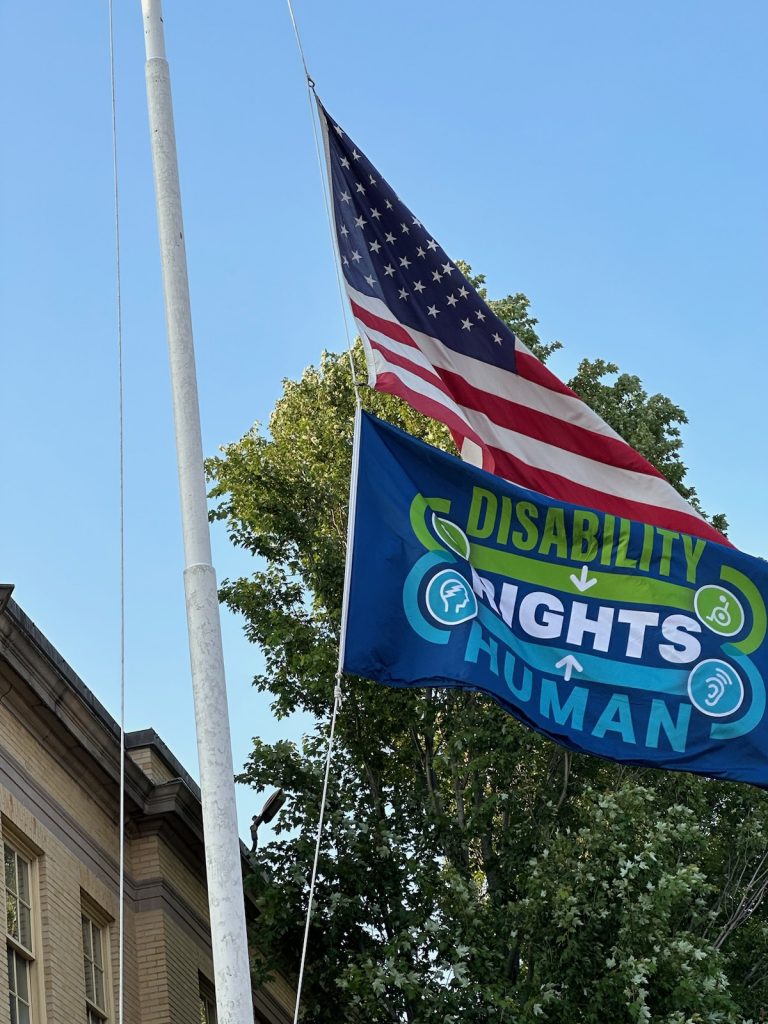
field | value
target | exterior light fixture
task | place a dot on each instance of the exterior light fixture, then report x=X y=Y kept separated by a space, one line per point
x=268 y=812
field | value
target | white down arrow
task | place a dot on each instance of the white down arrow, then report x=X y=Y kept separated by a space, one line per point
x=582 y=583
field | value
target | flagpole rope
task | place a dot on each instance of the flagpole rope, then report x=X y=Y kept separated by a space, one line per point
x=311 y=95
x=336 y=706
x=338 y=696
x=121 y=474
x=298 y=43
x=337 y=690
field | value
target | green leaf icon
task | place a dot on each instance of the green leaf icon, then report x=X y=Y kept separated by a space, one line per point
x=451 y=535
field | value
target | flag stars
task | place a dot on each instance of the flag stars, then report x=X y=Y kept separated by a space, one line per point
x=338 y=131
x=398 y=240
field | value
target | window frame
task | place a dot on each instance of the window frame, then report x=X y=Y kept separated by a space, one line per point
x=17 y=941
x=15 y=998
x=30 y=955
x=207 y=1001
x=94 y=1012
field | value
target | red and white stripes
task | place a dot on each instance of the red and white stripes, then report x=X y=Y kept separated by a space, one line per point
x=526 y=426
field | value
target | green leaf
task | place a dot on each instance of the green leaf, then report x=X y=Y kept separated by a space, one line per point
x=451 y=535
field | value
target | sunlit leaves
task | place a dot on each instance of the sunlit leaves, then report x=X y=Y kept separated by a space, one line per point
x=470 y=871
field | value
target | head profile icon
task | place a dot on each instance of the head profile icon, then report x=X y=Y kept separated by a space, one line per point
x=450 y=599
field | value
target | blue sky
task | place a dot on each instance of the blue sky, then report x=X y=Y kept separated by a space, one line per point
x=606 y=159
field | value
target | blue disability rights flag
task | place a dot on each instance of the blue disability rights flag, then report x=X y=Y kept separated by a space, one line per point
x=613 y=637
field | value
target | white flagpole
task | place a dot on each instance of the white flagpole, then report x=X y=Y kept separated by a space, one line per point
x=222 y=844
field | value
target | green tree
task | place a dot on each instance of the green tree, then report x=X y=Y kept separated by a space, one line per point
x=470 y=870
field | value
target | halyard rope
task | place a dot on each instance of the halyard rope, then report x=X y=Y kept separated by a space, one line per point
x=329 y=215
x=337 y=695
x=336 y=706
x=121 y=472
x=337 y=691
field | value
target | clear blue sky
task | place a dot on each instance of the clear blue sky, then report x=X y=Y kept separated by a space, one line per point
x=606 y=159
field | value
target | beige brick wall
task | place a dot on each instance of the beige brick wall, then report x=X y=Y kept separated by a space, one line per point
x=60 y=907
x=189 y=885
x=67 y=789
x=150 y=943
x=65 y=819
x=144 y=857
x=60 y=885
x=153 y=766
x=184 y=963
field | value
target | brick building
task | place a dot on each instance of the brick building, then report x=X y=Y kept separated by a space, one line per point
x=59 y=806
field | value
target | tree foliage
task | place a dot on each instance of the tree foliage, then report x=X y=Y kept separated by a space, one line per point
x=470 y=870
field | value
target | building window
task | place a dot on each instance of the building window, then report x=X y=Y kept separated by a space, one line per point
x=18 y=934
x=207 y=1002
x=93 y=965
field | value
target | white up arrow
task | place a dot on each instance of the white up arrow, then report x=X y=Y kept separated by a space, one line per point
x=581 y=582
x=568 y=663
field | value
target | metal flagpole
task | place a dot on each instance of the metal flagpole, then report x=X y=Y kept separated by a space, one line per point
x=222 y=845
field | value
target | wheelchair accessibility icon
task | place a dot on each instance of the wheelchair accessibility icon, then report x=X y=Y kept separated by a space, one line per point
x=719 y=609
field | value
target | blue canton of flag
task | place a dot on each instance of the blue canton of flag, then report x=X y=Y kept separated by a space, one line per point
x=387 y=253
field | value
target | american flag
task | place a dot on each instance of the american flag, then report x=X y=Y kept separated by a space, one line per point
x=432 y=340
